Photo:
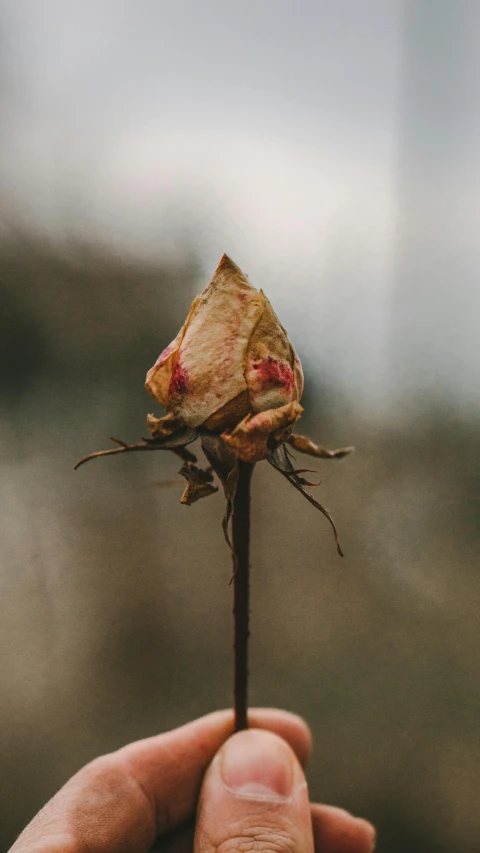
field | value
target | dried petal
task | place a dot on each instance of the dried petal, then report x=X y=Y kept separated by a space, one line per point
x=298 y=372
x=230 y=414
x=204 y=370
x=232 y=358
x=159 y=377
x=251 y=438
x=270 y=360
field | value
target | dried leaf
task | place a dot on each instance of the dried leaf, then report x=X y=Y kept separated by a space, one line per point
x=225 y=464
x=279 y=459
x=199 y=483
x=180 y=437
x=166 y=428
x=306 y=445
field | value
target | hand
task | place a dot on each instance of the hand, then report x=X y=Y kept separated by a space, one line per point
x=250 y=789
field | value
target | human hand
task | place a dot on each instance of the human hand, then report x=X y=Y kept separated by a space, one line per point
x=250 y=790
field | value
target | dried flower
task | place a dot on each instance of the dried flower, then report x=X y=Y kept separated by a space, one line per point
x=232 y=378
x=230 y=370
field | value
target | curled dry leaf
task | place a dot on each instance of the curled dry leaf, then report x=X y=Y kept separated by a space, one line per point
x=280 y=460
x=306 y=445
x=199 y=483
x=225 y=464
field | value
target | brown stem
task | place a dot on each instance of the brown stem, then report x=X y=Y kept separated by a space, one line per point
x=241 y=585
x=181 y=451
x=121 y=449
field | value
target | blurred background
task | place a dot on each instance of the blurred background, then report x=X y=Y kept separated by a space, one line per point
x=331 y=149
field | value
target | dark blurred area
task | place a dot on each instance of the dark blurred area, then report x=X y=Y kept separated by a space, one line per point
x=116 y=606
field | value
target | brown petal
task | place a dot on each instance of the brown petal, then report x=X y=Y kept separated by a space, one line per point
x=231 y=357
x=298 y=373
x=208 y=370
x=159 y=376
x=230 y=414
x=249 y=440
x=269 y=364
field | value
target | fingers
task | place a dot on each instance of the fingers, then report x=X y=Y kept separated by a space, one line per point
x=334 y=831
x=254 y=798
x=291 y=728
x=126 y=799
x=337 y=831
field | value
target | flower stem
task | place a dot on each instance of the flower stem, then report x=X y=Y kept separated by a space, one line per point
x=241 y=590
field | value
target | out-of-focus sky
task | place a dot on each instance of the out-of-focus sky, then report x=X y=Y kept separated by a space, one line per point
x=330 y=148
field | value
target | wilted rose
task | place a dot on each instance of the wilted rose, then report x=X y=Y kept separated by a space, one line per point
x=231 y=370
x=232 y=378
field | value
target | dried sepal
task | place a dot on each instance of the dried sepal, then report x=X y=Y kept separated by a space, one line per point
x=169 y=429
x=199 y=483
x=252 y=438
x=225 y=464
x=174 y=442
x=306 y=445
x=280 y=460
x=302 y=480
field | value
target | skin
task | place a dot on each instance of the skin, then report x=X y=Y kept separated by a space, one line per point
x=200 y=789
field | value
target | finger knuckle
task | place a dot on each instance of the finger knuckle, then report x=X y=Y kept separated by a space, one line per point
x=259 y=839
x=110 y=787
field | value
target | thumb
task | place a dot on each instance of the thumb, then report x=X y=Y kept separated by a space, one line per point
x=254 y=798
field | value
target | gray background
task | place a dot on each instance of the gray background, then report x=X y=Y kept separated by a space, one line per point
x=331 y=150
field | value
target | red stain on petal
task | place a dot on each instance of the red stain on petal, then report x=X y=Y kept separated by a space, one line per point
x=179 y=381
x=272 y=372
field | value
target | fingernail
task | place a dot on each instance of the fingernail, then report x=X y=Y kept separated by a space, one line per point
x=257 y=764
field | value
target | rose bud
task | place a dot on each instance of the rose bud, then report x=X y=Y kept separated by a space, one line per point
x=231 y=370
x=232 y=378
